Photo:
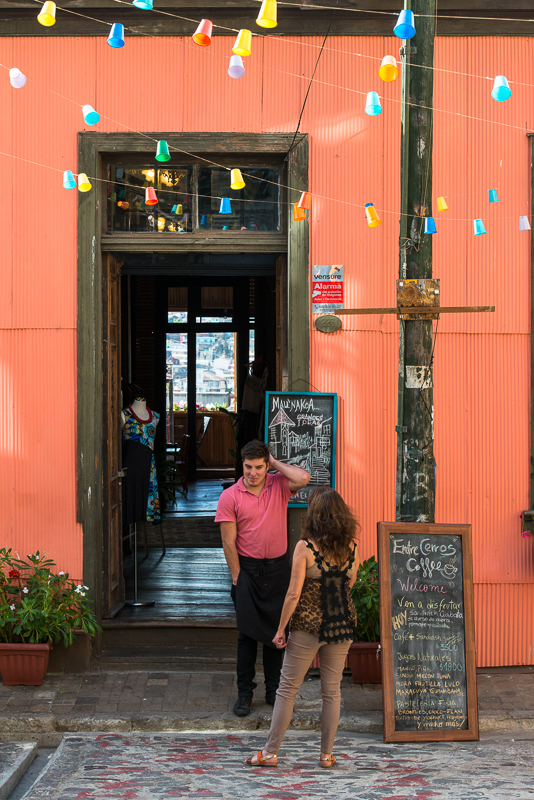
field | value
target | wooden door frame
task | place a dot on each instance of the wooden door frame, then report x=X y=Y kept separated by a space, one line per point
x=93 y=148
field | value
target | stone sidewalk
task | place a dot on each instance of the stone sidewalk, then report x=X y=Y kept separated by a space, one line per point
x=174 y=701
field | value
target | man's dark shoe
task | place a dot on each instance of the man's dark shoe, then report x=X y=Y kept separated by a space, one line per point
x=242 y=706
x=270 y=698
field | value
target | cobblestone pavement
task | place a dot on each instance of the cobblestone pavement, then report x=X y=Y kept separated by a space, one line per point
x=147 y=767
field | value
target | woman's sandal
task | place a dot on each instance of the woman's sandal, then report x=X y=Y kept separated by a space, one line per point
x=269 y=761
x=327 y=762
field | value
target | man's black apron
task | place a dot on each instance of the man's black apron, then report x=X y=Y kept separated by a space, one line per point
x=259 y=596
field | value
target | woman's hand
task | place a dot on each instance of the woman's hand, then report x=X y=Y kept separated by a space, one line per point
x=279 y=640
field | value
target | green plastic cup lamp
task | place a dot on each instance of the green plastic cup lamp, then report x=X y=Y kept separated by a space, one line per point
x=405 y=27
x=17 y=79
x=226 y=206
x=493 y=197
x=90 y=116
x=69 y=181
x=236 y=68
x=162 y=153
x=524 y=224
x=372 y=105
x=116 y=35
x=144 y=5
x=430 y=225
x=501 y=90
x=479 y=227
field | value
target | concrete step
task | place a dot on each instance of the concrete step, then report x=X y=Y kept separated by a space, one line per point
x=15 y=760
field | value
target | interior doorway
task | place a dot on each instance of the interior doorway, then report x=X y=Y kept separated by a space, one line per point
x=190 y=342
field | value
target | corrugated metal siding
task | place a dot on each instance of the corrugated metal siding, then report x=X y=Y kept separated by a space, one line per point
x=482 y=389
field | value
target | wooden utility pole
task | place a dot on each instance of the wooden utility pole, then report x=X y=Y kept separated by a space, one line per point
x=415 y=430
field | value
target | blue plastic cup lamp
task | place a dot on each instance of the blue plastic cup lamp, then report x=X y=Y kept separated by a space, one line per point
x=226 y=207
x=479 y=227
x=204 y=219
x=493 y=197
x=116 y=35
x=372 y=104
x=405 y=27
x=69 y=182
x=144 y=5
x=501 y=90
x=90 y=116
x=430 y=225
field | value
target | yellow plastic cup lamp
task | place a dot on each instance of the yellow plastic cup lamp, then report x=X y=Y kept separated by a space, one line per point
x=442 y=204
x=47 y=17
x=267 y=15
x=83 y=183
x=373 y=220
x=388 y=69
x=236 y=180
x=243 y=43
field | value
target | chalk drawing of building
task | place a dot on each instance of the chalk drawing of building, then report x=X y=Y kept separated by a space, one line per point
x=279 y=435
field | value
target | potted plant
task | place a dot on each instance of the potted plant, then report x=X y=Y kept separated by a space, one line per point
x=364 y=655
x=37 y=608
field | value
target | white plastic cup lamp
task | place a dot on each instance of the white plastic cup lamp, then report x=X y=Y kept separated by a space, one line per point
x=90 y=116
x=17 y=79
x=524 y=224
x=236 y=68
x=372 y=104
x=479 y=227
x=501 y=90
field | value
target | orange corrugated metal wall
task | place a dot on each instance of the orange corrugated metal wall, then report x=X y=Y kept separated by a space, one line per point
x=481 y=362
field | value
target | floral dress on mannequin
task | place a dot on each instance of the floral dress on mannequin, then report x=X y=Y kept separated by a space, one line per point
x=135 y=433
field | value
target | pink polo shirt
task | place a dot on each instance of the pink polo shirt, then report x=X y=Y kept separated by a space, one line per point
x=261 y=519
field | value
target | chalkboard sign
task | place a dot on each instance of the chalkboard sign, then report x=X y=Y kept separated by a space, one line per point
x=427 y=632
x=300 y=429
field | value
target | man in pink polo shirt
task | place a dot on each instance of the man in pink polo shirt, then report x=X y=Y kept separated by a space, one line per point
x=253 y=517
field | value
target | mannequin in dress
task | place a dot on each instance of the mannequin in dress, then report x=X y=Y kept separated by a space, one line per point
x=140 y=486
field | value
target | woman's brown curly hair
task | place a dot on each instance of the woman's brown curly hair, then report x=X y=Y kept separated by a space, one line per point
x=330 y=523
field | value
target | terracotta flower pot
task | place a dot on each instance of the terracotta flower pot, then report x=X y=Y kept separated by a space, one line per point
x=363 y=662
x=23 y=664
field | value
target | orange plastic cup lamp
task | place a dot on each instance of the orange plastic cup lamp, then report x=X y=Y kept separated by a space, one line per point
x=299 y=215
x=124 y=205
x=243 y=43
x=305 y=201
x=202 y=35
x=151 y=197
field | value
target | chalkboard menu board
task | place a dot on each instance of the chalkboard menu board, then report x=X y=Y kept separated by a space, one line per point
x=300 y=429
x=427 y=632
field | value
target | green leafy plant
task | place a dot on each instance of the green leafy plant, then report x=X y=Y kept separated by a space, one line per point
x=37 y=605
x=169 y=478
x=236 y=419
x=365 y=594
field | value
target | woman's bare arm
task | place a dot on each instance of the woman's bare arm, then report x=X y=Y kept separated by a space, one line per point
x=298 y=574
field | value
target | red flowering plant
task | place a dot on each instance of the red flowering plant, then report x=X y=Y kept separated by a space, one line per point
x=37 y=605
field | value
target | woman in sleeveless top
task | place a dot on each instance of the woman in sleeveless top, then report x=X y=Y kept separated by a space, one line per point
x=322 y=617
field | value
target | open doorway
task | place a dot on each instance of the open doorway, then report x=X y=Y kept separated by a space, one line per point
x=190 y=343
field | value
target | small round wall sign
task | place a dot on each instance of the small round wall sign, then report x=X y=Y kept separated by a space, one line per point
x=328 y=323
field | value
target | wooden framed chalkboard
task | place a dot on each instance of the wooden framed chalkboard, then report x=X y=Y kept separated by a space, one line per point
x=427 y=632
x=300 y=428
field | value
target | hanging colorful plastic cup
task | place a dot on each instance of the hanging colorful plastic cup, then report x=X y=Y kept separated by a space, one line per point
x=479 y=227
x=225 y=227
x=236 y=180
x=113 y=197
x=430 y=225
x=144 y=5
x=236 y=68
x=388 y=69
x=151 y=197
x=493 y=197
x=267 y=15
x=373 y=220
x=524 y=224
x=123 y=204
x=47 y=15
x=16 y=78
x=226 y=207
x=116 y=35
x=202 y=35
x=243 y=43
x=162 y=153
x=69 y=181
x=204 y=219
x=299 y=215
x=501 y=90
x=83 y=183
x=90 y=116
x=405 y=27
x=305 y=201
x=372 y=105
x=442 y=204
